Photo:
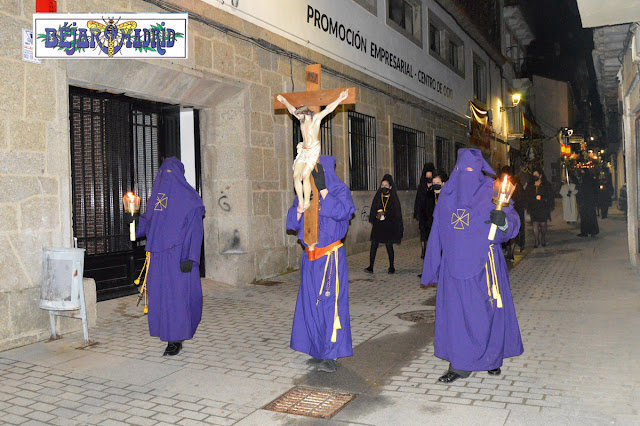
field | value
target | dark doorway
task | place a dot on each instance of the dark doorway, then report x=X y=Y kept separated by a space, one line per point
x=117 y=145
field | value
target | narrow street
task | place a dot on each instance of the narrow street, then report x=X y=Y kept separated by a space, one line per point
x=577 y=302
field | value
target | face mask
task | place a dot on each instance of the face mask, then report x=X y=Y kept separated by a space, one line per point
x=386 y=191
x=536 y=178
x=429 y=180
x=437 y=187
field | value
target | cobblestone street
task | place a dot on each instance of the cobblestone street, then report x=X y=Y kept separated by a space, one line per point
x=577 y=304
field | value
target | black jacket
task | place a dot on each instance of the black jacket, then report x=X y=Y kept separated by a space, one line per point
x=391 y=229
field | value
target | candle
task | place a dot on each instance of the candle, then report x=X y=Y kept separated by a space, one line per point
x=503 y=199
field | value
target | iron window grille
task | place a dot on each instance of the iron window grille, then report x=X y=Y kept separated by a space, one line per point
x=409 y=155
x=114 y=148
x=326 y=135
x=444 y=154
x=362 y=152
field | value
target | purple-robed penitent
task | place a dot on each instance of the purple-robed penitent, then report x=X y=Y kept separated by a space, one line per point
x=174 y=231
x=313 y=325
x=471 y=332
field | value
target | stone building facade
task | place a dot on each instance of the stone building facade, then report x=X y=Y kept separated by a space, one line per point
x=234 y=69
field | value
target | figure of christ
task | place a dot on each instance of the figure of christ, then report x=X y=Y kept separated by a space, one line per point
x=309 y=148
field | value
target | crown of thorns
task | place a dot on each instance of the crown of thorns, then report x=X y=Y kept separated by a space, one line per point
x=304 y=110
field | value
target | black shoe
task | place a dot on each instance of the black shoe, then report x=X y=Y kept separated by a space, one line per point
x=392 y=270
x=450 y=377
x=582 y=235
x=369 y=270
x=544 y=244
x=173 y=348
x=535 y=246
x=328 y=365
x=495 y=372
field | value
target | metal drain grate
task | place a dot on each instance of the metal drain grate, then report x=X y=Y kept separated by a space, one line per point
x=427 y=316
x=305 y=401
x=267 y=283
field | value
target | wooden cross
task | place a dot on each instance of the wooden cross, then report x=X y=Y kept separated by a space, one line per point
x=314 y=98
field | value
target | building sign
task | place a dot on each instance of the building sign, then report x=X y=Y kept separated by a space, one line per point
x=110 y=35
x=348 y=33
x=480 y=127
x=27 y=47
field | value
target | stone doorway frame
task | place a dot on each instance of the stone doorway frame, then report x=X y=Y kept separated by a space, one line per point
x=225 y=119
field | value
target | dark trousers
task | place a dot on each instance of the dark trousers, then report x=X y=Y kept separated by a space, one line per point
x=374 y=249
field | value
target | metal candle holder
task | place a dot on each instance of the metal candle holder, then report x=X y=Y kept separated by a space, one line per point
x=502 y=192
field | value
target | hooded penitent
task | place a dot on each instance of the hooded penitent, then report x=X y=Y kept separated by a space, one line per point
x=172 y=224
x=391 y=229
x=321 y=324
x=476 y=324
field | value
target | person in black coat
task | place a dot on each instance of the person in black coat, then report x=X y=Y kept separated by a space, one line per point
x=587 y=199
x=424 y=204
x=539 y=199
x=605 y=191
x=386 y=218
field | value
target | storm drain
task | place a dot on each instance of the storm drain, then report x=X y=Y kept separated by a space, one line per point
x=305 y=401
x=267 y=283
x=427 y=316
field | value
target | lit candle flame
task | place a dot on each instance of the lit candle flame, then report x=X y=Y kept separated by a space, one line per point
x=504 y=184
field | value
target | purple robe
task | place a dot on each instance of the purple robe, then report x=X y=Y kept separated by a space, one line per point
x=471 y=331
x=313 y=324
x=174 y=231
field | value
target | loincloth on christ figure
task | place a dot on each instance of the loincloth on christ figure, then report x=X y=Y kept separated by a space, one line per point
x=307 y=156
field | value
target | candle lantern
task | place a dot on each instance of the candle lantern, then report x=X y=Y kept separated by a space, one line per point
x=132 y=206
x=502 y=192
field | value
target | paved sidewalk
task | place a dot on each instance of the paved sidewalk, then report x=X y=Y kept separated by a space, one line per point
x=577 y=303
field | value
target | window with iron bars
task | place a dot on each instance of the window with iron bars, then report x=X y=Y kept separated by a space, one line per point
x=409 y=155
x=444 y=154
x=326 y=136
x=362 y=152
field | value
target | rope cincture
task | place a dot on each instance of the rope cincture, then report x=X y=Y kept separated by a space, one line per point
x=493 y=289
x=336 y=318
x=143 y=289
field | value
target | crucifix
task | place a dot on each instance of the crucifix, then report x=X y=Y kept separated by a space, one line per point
x=304 y=106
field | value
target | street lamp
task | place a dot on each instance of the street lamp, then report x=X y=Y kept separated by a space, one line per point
x=515 y=100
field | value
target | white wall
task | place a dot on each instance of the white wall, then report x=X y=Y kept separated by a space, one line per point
x=289 y=19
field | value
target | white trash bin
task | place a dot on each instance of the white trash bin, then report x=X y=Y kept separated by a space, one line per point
x=62 y=288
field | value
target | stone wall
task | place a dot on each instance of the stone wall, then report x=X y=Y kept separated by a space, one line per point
x=246 y=148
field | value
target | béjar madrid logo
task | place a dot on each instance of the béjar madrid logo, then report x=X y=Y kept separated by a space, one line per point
x=110 y=35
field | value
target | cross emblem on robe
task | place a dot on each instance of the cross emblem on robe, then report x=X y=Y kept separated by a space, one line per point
x=314 y=98
x=460 y=219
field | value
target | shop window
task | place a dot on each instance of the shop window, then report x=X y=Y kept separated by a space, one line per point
x=362 y=152
x=409 y=155
x=405 y=17
x=444 y=154
x=445 y=45
x=479 y=80
x=434 y=39
x=370 y=5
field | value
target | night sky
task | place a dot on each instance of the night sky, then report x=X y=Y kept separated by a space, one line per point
x=562 y=51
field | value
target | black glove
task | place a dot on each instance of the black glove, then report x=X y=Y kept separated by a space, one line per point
x=128 y=218
x=318 y=177
x=186 y=266
x=569 y=193
x=498 y=218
